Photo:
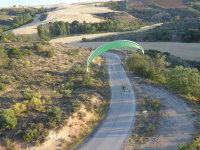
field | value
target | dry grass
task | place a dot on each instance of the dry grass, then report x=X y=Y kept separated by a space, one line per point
x=64 y=12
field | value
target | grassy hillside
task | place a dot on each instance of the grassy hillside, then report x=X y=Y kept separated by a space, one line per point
x=15 y=17
x=42 y=86
x=158 y=10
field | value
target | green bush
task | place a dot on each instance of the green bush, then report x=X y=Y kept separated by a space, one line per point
x=28 y=135
x=191 y=35
x=18 y=53
x=194 y=145
x=18 y=108
x=14 y=53
x=35 y=133
x=87 y=79
x=2 y=86
x=185 y=81
x=3 y=56
x=50 y=53
x=54 y=114
x=84 y=40
x=158 y=35
x=150 y=68
x=7 y=119
x=27 y=94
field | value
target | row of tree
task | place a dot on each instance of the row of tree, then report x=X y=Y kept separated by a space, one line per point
x=50 y=30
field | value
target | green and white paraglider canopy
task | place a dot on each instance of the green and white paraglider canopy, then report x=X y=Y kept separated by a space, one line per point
x=112 y=45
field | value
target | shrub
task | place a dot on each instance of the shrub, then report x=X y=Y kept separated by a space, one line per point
x=27 y=94
x=28 y=135
x=84 y=39
x=50 y=53
x=147 y=67
x=2 y=86
x=35 y=103
x=6 y=79
x=194 y=145
x=7 y=119
x=8 y=143
x=87 y=80
x=155 y=104
x=36 y=133
x=18 y=108
x=14 y=53
x=54 y=114
x=191 y=35
x=185 y=81
x=3 y=56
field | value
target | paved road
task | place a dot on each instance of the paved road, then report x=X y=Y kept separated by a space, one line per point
x=116 y=126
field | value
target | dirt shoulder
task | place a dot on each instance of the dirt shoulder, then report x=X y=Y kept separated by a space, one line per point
x=175 y=120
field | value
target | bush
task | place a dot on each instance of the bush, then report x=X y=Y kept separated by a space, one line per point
x=191 y=35
x=8 y=143
x=50 y=53
x=155 y=105
x=14 y=53
x=194 y=145
x=185 y=81
x=36 y=133
x=2 y=86
x=84 y=40
x=18 y=53
x=18 y=108
x=54 y=114
x=87 y=80
x=159 y=35
x=3 y=56
x=7 y=119
x=35 y=103
x=28 y=135
x=147 y=67
x=27 y=94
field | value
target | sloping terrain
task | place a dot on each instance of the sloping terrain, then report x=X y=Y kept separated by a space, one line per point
x=138 y=4
x=65 y=12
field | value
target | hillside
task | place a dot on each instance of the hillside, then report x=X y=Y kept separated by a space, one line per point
x=46 y=91
x=139 y=4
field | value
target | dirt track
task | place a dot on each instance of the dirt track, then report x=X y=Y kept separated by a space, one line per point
x=176 y=125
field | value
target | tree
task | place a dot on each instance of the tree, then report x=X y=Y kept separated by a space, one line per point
x=7 y=119
x=62 y=27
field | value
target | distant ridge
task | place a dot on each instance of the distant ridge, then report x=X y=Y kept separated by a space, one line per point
x=139 y=4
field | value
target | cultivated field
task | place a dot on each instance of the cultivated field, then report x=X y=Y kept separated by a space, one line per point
x=188 y=51
x=65 y=12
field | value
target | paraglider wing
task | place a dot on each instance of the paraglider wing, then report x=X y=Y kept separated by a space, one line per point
x=112 y=45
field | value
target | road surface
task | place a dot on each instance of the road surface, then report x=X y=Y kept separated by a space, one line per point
x=117 y=125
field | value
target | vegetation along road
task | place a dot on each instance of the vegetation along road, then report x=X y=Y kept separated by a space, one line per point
x=116 y=126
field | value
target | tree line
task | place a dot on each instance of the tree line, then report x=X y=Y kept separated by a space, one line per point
x=26 y=16
x=54 y=29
